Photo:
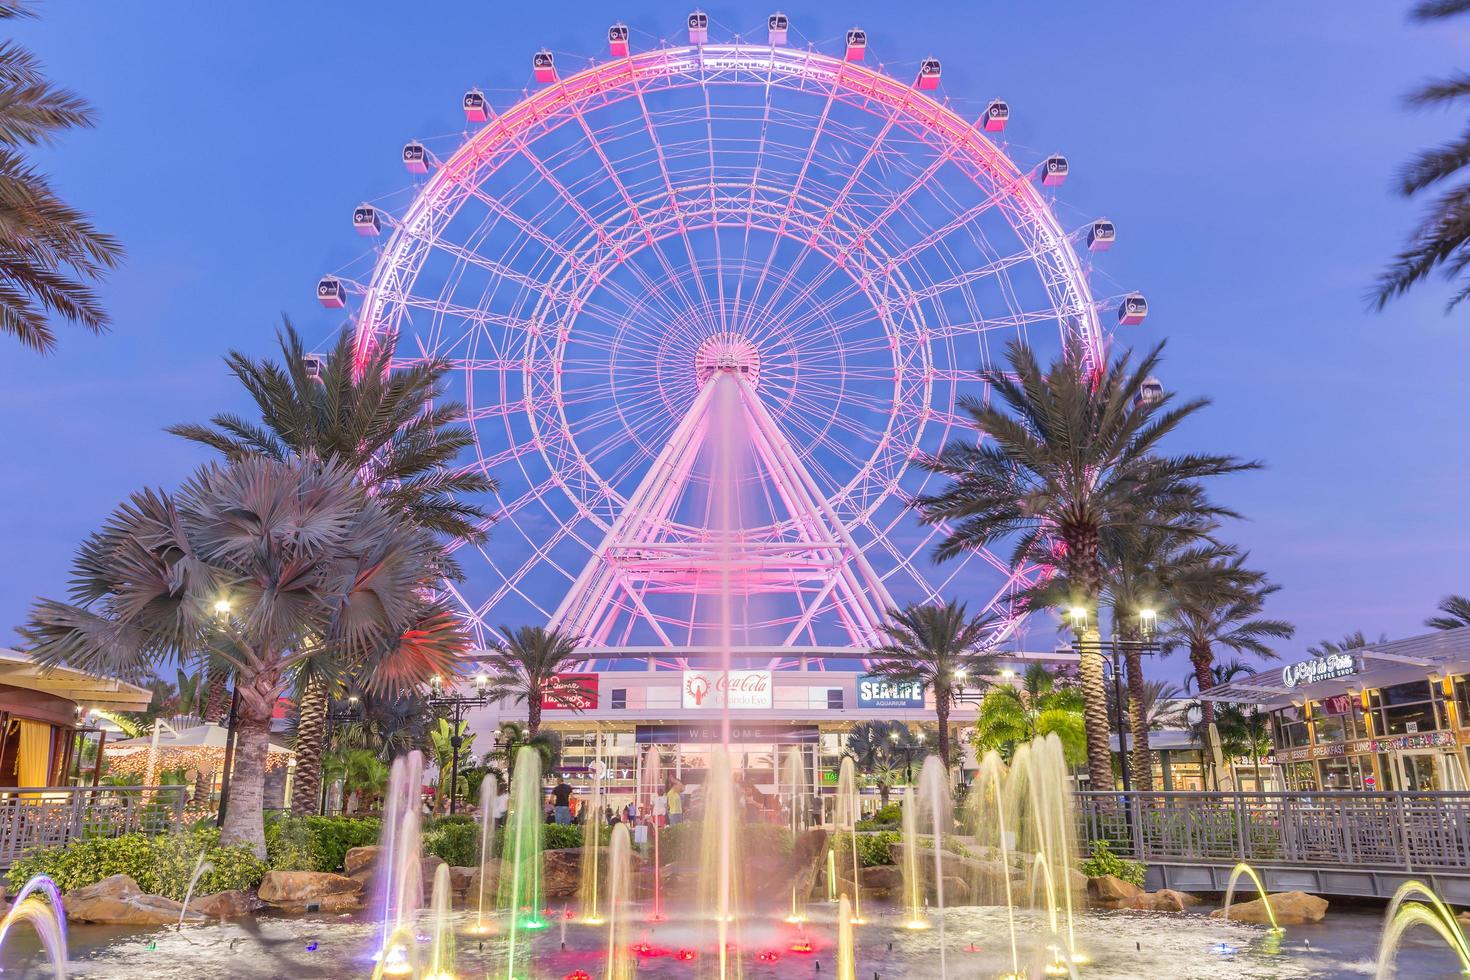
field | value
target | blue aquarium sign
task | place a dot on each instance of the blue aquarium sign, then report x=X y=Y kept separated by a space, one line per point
x=882 y=692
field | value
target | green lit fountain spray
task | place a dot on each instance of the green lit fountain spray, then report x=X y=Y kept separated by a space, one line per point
x=441 y=939
x=520 y=876
x=489 y=795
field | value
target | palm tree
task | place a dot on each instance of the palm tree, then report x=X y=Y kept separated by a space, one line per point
x=279 y=565
x=523 y=664
x=1439 y=240
x=49 y=252
x=1072 y=453
x=875 y=747
x=938 y=647
x=440 y=740
x=371 y=418
x=512 y=737
x=1010 y=715
x=1355 y=640
x=1240 y=733
x=1221 y=606
x=1163 y=705
x=1456 y=610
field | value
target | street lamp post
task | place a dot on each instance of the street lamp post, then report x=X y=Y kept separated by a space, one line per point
x=458 y=704
x=1147 y=620
x=352 y=712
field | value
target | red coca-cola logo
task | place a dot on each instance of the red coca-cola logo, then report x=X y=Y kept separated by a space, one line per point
x=698 y=687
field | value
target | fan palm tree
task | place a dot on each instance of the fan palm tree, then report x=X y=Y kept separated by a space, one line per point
x=1355 y=640
x=371 y=418
x=1221 y=606
x=1070 y=453
x=1456 y=613
x=279 y=565
x=939 y=647
x=522 y=665
x=1439 y=242
x=50 y=253
x=1040 y=706
x=512 y=737
x=875 y=747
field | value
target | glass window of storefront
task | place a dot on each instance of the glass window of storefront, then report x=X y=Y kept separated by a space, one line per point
x=1291 y=727
x=1404 y=708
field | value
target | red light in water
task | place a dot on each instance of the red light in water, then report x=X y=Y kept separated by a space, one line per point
x=768 y=956
x=684 y=955
x=644 y=949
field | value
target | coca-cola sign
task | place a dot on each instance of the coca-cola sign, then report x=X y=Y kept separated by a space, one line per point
x=714 y=688
x=569 y=692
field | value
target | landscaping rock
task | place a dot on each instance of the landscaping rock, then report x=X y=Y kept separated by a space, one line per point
x=118 y=901
x=460 y=879
x=1107 y=892
x=491 y=871
x=229 y=904
x=361 y=859
x=1166 y=900
x=882 y=881
x=295 y=891
x=561 y=872
x=1291 y=908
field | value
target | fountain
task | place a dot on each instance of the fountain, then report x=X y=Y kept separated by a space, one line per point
x=47 y=918
x=933 y=803
x=846 y=959
x=441 y=950
x=1401 y=915
x=489 y=794
x=846 y=819
x=793 y=785
x=650 y=788
x=201 y=867
x=913 y=882
x=984 y=818
x=593 y=823
x=1039 y=811
x=620 y=964
x=520 y=876
x=1245 y=869
x=399 y=873
x=719 y=874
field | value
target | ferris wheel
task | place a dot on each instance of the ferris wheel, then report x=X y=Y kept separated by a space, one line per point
x=836 y=239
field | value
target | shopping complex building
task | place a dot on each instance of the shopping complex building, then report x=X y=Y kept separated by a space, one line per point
x=1388 y=716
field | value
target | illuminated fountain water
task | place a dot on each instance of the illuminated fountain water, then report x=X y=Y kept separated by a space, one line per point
x=913 y=880
x=793 y=788
x=620 y=963
x=201 y=868
x=520 y=875
x=47 y=918
x=846 y=953
x=400 y=875
x=719 y=897
x=441 y=935
x=1040 y=817
x=489 y=794
x=1402 y=915
x=650 y=787
x=846 y=820
x=1245 y=870
x=936 y=819
x=589 y=890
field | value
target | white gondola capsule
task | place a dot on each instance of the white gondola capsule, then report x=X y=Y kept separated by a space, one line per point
x=698 y=27
x=544 y=67
x=365 y=220
x=1151 y=392
x=313 y=365
x=1132 y=310
x=330 y=293
x=997 y=114
x=777 y=27
x=476 y=109
x=1054 y=171
x=1101 y=235
x=928 y=74
x=857 y=44
x=617 y=40
x=415 y=157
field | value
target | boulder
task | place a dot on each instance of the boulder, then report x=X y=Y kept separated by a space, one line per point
x=491 y=872
x=882 y=881
x=361 y=859
x=460 y=879
x=302 y=891
x=429 y=867
x=561 y=872
x=1291 y=908
x=1166 y=900
x=118 y=901
x=229 y=904
x=1107 y=892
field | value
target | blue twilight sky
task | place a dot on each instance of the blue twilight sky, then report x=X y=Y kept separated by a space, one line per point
x=1244 y=150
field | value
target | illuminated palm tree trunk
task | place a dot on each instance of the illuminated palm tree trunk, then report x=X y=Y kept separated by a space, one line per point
x=311 y=734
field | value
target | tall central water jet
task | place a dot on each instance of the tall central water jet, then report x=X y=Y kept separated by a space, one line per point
x=793 y=772
x=846 y=819
x=399 y=874
x=520 y=877
x=650 y=788
x=489 y=800
x=935 y=818
x=620 y=965
x=589 y=889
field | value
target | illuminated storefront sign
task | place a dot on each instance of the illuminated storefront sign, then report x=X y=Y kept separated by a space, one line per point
x=881 y=692
x=1364 y=746
x=697 y=733
x=742 y=689
x=569 y=692
x=1326 y=668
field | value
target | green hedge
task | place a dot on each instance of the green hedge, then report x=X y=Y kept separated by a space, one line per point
x=160 y=865
x=872 y=847
x=316 y=843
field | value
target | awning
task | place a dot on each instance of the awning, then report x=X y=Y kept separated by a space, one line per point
x=87 y=690
x=204 y=736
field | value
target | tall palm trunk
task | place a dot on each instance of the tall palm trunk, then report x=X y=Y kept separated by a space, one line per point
x=216 y=694
x=1203 y=659
x=1082 y=555
x=941 y=713
x=243 y=823
x=1140 y=759
x=533 y=716
x=311 y=735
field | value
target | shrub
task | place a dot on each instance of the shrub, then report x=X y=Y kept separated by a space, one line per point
x=161 y=865
x=872 y=847
x=1104 y=862
x=555 y=836
x=316 y=843
x=457 y=843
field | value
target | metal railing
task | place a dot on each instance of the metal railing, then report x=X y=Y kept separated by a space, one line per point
x=1398 y=831
x=43 y=816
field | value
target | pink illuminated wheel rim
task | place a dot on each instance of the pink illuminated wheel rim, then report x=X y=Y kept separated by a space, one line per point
x=587 y=256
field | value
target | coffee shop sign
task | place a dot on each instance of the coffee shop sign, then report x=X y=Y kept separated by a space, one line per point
x=1319 y=669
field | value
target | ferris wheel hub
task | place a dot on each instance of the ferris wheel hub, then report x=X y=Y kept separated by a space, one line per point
x=732 y=353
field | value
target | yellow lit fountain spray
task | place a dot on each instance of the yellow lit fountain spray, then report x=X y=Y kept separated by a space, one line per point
x=441 y=949
x=489 y=795
x=719 y=872
x=620 y=965
x=589 y=890
x=1403 y=915
x=794 y=780
x=847 y=819
x=1245 y=869
x=846 y=954
x=985 y=819
x=913 y=882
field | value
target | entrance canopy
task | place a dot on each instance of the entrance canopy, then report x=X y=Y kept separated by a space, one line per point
x=86 y=690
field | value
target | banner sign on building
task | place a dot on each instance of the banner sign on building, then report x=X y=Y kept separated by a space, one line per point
x=883 y=692
x=1326 y=668
x=569 y=692
x=740 y=688
x=695 y=733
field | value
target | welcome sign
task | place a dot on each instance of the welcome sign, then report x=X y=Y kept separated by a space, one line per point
x=881 y=692
x=715 y=688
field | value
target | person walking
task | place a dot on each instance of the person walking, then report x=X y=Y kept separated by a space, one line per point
x=674 y=802
x=561 y=799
